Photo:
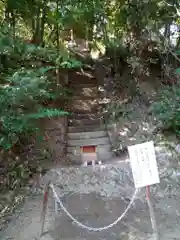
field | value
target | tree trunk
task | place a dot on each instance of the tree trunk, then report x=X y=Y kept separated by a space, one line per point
x=58 y=44
x=10 y=17
x=13 y=23
x=43 y=20
x=37 y=30
x=167 y=32
x=178 y=43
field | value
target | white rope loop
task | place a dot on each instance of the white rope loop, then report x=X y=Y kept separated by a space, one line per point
x=93 y=228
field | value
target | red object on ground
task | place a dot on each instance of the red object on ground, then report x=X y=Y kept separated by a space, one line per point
x=148 y=192
x=44 y=207
x=46 y=137
x=45 y=197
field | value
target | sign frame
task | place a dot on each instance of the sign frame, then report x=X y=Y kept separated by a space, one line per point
x=144 y=164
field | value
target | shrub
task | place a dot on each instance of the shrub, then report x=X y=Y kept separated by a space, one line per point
x=21 y=101
x=167 y=108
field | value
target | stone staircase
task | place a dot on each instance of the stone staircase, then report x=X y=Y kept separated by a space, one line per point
x=86 y=126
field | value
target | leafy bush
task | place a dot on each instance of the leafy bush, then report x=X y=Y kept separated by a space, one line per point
x=167 y=108
x=21 y=101
x=117 y=111
x=26 y=86
x=31 y=55
x=71 y=63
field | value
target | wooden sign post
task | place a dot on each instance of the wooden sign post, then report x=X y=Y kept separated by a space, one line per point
x=145 y=173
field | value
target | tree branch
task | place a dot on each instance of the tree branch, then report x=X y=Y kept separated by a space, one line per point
x=172 y=5
x=169 y=49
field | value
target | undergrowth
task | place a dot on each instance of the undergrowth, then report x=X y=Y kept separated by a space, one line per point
x=29 y=87
x=167 y=108
x=28 y=82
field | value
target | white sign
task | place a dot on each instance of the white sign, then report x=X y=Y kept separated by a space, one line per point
x=144 y=165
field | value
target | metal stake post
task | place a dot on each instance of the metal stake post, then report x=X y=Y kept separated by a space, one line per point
x=44 y=208
x=152 y=214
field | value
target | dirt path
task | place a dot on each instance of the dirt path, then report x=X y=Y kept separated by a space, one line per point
x=97 y=196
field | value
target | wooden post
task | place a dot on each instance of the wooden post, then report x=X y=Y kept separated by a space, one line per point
x=152 y=214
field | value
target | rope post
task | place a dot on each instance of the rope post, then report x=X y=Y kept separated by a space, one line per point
x=152 y=214
x=44 y=208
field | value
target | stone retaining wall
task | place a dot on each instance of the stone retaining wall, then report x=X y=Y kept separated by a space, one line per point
x=56 y=131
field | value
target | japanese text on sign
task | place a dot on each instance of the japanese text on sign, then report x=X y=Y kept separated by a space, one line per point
x=144 y=165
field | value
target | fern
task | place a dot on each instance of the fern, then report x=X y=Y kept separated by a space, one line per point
x=25 y=85
x=71 y=63
x=20 y=101
x=44 y=112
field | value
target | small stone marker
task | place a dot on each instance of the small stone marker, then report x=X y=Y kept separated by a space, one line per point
x=89 y=158
x=144 y=165
x=89 y=155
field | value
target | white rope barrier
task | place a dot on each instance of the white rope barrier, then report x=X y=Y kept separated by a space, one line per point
x=93 y=228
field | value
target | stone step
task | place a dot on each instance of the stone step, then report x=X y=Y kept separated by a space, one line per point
x=46 y=237
x=81 y=80
x=83 y=122
x=83 y=104
x=85 y=92
x=86 y=105
x=77 y=159
x=89 y=142
x=90 y=110
x=87 y=135
x=90 y=116
x=81 y=75
x=84 y=88
x=79 y=86
x=101 y=149
x=87 y=128
x=91 y=97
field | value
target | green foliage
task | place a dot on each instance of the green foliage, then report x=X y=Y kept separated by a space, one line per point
x=44 y=112
x=71 y=63
x=178 y=52
x=117 y=111
x=178 y=71
x=26 y=84
x=21 y=100
x=167 y=108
